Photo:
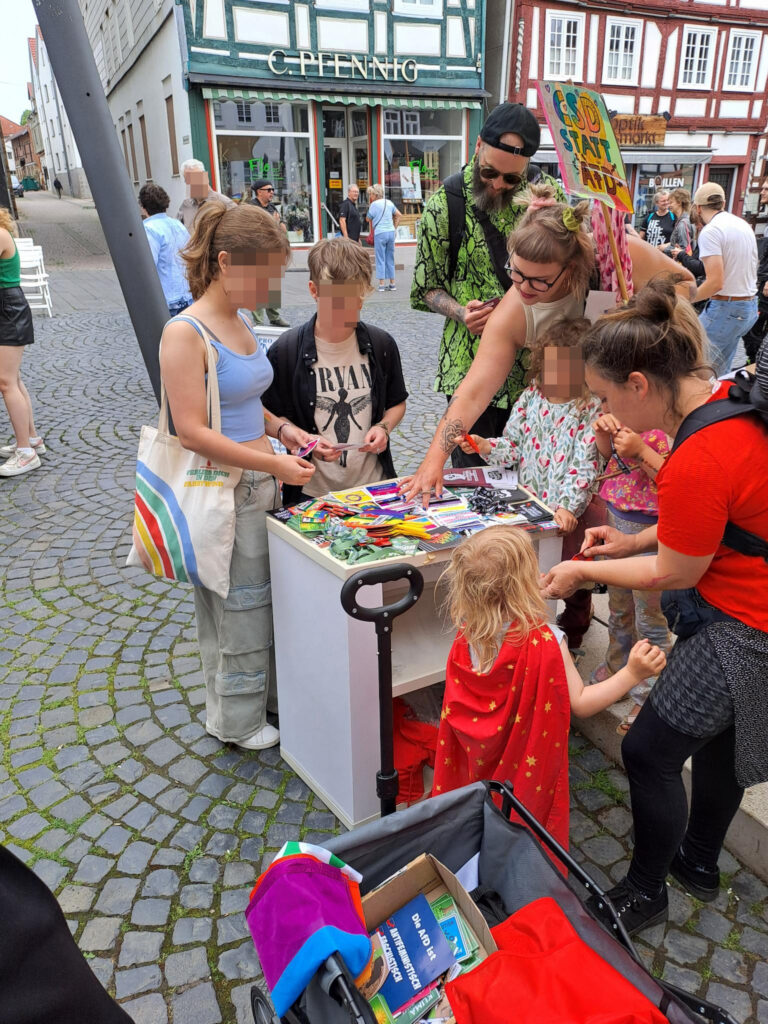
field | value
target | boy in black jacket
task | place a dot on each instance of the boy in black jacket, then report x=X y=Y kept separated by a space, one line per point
x=338 y=377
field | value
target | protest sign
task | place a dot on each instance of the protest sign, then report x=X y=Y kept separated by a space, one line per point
x=587 y=151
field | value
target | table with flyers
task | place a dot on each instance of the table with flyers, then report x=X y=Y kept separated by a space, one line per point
x=327 y=668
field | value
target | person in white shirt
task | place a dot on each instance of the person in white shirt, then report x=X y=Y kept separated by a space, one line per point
x=728 y=250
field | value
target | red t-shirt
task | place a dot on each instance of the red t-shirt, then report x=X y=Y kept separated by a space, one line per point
x=720 y=474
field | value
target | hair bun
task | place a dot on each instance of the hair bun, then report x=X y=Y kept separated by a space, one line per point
x=657 y=300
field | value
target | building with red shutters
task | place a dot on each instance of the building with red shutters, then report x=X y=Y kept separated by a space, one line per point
x=702 y=65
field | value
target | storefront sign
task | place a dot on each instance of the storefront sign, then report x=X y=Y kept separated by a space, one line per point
x=322 y=64
x=632 y=130
x=587 y=151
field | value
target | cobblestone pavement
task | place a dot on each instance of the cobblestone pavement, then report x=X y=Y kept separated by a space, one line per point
x=149 y=831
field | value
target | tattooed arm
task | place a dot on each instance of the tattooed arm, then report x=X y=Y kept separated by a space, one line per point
x=441 y=302
x=496 y=354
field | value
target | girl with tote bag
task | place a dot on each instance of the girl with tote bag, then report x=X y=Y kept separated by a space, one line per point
x=235 y=260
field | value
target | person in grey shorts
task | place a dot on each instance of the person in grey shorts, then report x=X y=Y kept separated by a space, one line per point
x=235 y=256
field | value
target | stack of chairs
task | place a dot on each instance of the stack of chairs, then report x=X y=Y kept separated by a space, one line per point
x=34 y=280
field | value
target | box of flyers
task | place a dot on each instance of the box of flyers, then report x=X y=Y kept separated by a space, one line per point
x=425 y=930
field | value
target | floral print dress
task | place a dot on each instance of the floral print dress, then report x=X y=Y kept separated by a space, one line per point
x=553 y=446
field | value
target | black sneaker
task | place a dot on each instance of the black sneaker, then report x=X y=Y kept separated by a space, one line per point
x=700 y=882
x=635 y=910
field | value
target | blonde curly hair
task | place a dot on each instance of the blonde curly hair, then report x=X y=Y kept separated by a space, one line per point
x=492 y=583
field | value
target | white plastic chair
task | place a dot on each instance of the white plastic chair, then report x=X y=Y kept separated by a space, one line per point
x=34 y=280
x=24 y=243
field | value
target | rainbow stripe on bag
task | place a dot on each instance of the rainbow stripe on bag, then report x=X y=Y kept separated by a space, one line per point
x=163 y=528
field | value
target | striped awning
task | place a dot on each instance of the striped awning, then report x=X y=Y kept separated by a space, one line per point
x=222 y=93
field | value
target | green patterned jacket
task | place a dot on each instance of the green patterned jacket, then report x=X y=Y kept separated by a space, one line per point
x=474 y=278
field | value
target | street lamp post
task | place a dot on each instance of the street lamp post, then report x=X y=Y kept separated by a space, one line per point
x=66 y=41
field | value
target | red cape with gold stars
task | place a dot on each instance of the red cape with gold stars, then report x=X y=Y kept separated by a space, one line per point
x=509 y=724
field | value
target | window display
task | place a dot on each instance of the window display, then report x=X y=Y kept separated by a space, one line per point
x=421 y=147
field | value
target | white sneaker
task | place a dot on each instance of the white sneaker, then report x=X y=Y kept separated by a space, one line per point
x=19 y=463
x=9 y=449
x=266 y=737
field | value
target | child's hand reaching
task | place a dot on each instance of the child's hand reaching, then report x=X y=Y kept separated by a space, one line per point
x=628 y=444
x=483 y=444
x=565 y=520
x=646 y=660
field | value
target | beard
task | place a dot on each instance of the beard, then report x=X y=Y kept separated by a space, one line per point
x=487 y=199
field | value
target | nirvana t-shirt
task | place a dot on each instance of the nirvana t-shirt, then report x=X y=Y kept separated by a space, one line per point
x=343 y=416
x=348 y=210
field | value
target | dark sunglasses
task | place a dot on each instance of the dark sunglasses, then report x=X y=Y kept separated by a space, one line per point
x=265 y=189
x=490 y=174
x=539 y=284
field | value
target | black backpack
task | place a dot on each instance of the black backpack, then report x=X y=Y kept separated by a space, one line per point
x=748 y=394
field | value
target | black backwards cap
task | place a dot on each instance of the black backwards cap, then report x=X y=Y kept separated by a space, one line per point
x=512 y=117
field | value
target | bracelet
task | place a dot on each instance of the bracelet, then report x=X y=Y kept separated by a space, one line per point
x=282 y=426
x=383 y=426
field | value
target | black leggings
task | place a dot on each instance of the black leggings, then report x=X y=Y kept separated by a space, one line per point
x=654 y=754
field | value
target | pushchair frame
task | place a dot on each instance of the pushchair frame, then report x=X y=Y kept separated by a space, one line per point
x=436 y=825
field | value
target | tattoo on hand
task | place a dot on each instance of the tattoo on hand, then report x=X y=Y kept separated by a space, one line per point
x=452 y=432
x=441 y=302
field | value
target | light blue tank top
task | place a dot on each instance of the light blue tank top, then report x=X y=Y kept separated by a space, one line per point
x=242 y=382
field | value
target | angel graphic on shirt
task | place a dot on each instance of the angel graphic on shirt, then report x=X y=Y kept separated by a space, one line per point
x=343 y=411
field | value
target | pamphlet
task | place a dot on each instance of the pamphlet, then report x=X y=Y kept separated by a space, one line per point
x=481 y=476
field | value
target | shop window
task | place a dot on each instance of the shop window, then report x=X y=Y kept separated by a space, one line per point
x=652 y=178
x=622 y=51
x=698 y=58
x=420 y=8
x=335 y=124
x=742 y=61
x=282 y=158
x=271 y=113
x=244 y=112
x=416 y=164
x=565 y=46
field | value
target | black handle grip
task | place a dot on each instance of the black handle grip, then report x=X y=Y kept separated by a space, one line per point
x=382 y=574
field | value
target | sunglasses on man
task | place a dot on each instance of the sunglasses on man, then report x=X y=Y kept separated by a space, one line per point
x=514 y=179
x=265 y=188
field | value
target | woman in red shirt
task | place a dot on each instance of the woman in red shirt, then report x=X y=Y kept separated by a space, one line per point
x=647 y=364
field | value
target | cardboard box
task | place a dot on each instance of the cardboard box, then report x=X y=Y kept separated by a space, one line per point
x=425 y=875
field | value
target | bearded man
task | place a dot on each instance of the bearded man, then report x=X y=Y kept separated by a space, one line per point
x=462 y=251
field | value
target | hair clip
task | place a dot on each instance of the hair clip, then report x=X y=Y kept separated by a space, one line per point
x=570 y=220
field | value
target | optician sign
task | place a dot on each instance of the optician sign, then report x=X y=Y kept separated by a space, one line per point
x=324 y=64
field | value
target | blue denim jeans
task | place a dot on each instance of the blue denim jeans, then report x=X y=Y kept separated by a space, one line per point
x=384 y=247
x=725 y=323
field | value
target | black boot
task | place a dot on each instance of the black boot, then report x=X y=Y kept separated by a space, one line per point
x=635 y=910
x=701 y=882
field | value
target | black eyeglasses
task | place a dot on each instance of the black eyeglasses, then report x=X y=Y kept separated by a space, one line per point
x=514 y=179
x=265 y=189
x=539 y=284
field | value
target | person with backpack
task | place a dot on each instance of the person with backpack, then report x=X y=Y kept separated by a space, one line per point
x=648 y=364
x=462 y=252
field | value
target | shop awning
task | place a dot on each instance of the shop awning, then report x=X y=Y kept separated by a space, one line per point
x=349 y=99
x=643 y=156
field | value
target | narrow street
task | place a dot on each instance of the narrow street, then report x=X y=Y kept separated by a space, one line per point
x=149 y=831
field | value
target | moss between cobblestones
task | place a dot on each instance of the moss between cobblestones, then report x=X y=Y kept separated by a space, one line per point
x=600 y=781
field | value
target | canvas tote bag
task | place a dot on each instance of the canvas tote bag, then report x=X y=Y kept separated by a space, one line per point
x=184 y=508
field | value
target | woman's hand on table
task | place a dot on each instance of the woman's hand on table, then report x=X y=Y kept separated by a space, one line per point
x=427 y=478
x=565 y=520
x=292 y=470
x=376 y=440
x=605 y=541
x=563 y=580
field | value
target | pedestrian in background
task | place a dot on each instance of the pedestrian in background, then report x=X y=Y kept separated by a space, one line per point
x=263 y=192
x=755 y=337
x=349 y=215
x=728 y=250
x=166 y=237
x=16 y=332
x=383 y=218
x=199 y=192
x=58 y=186
x=661 y=221
x=683 y=237
x=233 y=258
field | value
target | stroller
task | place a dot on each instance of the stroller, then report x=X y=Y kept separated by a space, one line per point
x=457 y=827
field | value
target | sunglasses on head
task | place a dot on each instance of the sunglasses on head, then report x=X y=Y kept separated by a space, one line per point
x=490 y=174
x=539 y=284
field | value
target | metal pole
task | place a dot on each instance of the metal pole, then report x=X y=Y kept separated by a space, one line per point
x=81 y=90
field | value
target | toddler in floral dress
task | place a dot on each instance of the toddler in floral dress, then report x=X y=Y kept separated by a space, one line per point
x=550 y=439
x=630 y=494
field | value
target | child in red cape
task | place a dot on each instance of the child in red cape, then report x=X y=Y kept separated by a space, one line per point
x=510 y=681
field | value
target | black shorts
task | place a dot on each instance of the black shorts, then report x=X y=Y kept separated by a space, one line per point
x=15 y=318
